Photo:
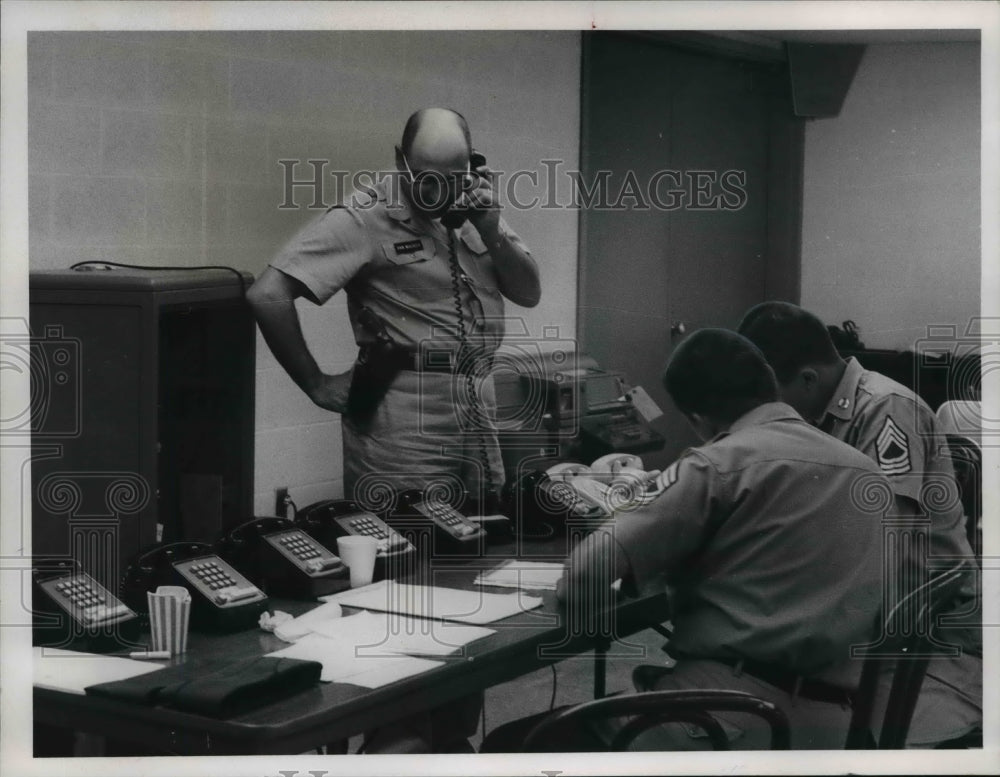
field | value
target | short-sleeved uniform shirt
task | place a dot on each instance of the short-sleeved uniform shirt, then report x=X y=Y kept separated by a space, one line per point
x=771 y=552
x=897 y=429
x=398 y=264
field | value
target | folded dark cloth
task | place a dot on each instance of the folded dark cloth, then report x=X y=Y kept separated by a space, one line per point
x=219 y=692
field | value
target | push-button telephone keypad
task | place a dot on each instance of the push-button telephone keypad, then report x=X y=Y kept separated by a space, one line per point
x=301 y=548
x=89 y=599
x=448 y=517
x=369 y=526
x=221 y=583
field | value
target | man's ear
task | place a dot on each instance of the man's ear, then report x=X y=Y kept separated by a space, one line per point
x=400 y=161
x=701 y=424
x=809 y=378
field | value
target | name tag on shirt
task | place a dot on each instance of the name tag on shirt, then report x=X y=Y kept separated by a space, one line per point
x=407 y=247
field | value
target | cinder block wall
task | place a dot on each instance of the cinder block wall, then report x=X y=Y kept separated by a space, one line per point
x=891 y=214
x=162 y=149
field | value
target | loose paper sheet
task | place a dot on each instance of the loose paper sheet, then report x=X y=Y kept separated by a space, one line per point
x=341 y=663
x=71 y=671
x=533 y=575
x=435 y=602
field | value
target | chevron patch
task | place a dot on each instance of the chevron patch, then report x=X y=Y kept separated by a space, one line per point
x=892 y=449
x=669 y=476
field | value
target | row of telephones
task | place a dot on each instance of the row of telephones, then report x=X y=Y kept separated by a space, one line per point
x=232 y=579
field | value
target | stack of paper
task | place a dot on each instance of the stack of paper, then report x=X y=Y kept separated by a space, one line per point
x=370 y=649
x=533 y=575
x=386 y=633
x=342 y=664
x=435 y=602
x=71 y=671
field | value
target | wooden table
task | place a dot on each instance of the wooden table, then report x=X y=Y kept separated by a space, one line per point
x=332 y=711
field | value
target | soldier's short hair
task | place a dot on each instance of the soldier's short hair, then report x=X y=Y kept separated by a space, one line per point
x=719 y=374
x=789 y=337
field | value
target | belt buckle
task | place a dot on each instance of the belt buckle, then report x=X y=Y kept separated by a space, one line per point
x=439 y=359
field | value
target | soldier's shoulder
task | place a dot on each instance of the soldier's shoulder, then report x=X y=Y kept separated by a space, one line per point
x=881 y=391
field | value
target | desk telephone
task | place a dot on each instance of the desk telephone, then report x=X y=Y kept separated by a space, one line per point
x=221 y=598
x=333 y=518
x=454 y=533
x=570 y=491
x=70 y=608
x=283 y=559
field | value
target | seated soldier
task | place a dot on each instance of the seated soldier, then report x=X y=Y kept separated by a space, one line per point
x=773 y=563
x=896 y=429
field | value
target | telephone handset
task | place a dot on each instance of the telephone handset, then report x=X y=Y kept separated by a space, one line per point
x=456 y=215
x=70 y=609
x=625 y=472
x=283 y=559
x=221 y=598
x=454 y=533
x=333 y=518
x=580 y=477
x=542 y=500
x=613 y=463
x=589 y=494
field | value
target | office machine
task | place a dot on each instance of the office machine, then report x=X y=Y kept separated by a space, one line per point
x=590 y=413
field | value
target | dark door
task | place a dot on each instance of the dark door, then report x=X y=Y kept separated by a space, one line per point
x=694 y=228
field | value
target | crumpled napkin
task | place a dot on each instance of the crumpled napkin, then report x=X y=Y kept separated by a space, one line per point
x=290 y=629
x=270 y=622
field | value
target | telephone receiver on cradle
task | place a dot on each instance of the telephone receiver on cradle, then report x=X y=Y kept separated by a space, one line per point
x=451 y=532
x=332 y=518
x=70 y=609
x=222 y=599
x=541 y=500
x=283 y=559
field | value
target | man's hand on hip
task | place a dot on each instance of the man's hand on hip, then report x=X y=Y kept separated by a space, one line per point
x=330 y=391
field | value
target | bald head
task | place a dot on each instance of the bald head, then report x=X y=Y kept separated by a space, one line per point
x=436 y=136
x=434 y=157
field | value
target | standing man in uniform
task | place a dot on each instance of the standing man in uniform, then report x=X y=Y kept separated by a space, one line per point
x=773 y=562
x=437 y=289
x=426 y=262
x=896 y=429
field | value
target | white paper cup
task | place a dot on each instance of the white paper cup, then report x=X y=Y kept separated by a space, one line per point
x=169 y=613
x=358 y=553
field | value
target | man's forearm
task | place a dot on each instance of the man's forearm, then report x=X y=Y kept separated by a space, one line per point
x=591 y=568
x=279 y=324
x=517 y=271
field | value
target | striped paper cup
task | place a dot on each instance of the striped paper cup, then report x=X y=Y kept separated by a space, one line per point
x=169 y=612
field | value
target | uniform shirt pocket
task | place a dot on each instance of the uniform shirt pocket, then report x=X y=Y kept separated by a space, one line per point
x=411 y=271
x=408 y=251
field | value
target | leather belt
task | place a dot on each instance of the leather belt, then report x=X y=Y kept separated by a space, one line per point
x=787 y=681
x=443 y=360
